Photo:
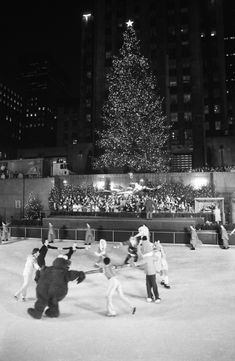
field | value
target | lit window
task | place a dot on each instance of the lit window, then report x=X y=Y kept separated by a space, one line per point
x=173 y=81
x=213 y=32
x=186 y=79
x=174 y=117
x=187 y=98
x=217 y=125
x=188 y=116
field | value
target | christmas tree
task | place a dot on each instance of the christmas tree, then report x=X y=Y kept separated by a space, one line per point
x=33 y=207
x=135 y=132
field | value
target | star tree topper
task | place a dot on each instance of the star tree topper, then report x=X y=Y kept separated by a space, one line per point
x=129 y=23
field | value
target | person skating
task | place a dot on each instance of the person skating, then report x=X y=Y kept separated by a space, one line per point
x=194 y=240
x=52 y=287
x=143 y=231
x=114 y=285
x=31 y=265
x=149 y=263
x=132 y=251
x=101 y=252
x=5 y=235
x=161 y=263
x=225 y=237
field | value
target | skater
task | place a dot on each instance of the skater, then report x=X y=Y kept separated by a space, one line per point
x=28 y=273
x=149 y=263
x=132 y=250
x=51 y=233
x=101 y=252
x=41 y=256
x=114 y=285
x=224 y=237
x=5 y=232
x=143 y=231
x=145 y=247
x=194 y=240
x=161 y=263
x=90 y=236
x=52 y=287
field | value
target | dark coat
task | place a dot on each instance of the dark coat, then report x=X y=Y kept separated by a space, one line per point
x=52 y=287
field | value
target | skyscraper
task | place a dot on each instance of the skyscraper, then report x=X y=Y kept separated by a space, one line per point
x=184 y=41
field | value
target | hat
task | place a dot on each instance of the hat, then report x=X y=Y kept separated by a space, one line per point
x=35 y=250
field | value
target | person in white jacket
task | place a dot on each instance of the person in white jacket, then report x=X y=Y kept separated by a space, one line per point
x=161 y=264
x=30 y=267
x=143 y=231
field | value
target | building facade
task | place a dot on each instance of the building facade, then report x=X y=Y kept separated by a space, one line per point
x=184 y=41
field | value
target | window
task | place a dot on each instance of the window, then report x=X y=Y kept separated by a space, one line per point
x=188 y=134
x=206 y=109
x=173 y=98
x=217 y=125
x=187 y=98
x=174 y=117
x=88 y=118
x=186 y=79
x=187 y=116
x=173 y=81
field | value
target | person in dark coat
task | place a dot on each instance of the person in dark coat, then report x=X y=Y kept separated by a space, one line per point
x=52 y=287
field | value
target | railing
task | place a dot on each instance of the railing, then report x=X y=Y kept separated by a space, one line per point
x=207 y=237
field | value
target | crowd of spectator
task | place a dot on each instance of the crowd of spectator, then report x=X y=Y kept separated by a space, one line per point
x=169 y=198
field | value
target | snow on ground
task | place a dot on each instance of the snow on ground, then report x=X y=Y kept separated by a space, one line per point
x=194 y=321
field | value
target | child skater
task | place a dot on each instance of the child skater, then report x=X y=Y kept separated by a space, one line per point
x=28 y=273
x=194 y=240
x=161 y=263
x=132 y=250
x=114 y=285
x=101 y=252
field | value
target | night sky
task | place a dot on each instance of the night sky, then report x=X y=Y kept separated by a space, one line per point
x=41 y=29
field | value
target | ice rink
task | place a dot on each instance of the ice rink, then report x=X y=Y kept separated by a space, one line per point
x=195 y=320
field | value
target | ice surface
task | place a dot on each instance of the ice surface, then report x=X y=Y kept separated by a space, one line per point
x=194 y=321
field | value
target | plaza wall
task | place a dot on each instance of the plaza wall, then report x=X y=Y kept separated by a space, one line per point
x=14 y=193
